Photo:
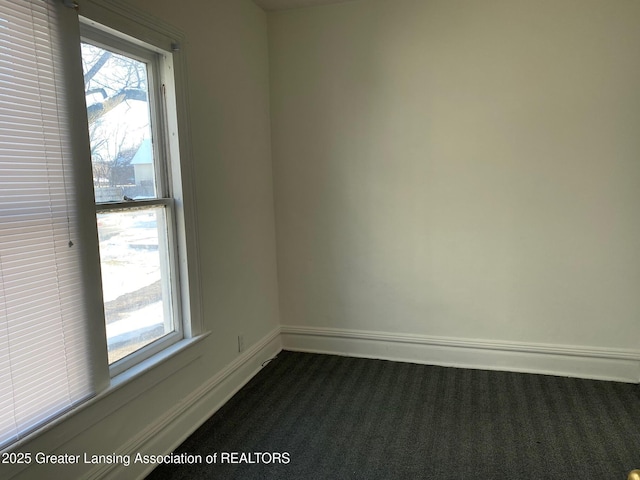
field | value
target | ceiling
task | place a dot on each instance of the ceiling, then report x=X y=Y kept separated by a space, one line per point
x=284 y=4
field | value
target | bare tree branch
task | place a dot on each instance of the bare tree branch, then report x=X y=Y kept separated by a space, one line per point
x=101 y=91
x=112 y=79
x=96 y=67
x=97 y=110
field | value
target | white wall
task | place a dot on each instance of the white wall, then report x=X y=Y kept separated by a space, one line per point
x=462 y=169
x=229 y=104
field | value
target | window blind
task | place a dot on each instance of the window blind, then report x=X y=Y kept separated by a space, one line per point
x=45 y=362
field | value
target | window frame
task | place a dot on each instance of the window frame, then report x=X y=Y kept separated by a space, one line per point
x=159 y=67
x=116 y=24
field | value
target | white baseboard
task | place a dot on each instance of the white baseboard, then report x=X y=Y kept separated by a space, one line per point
x=561 y=360
x=177 y=424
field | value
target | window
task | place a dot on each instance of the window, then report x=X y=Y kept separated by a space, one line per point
x=97 y=270
x=123 y=84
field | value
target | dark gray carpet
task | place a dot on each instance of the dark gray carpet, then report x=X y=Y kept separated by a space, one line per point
x=351 y=418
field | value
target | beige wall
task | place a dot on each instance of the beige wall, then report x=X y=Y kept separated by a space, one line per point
x=465 y=168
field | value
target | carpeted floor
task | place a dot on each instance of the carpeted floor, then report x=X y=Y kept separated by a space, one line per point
x=350 y=418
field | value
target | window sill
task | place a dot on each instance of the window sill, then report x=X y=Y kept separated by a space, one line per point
x=146 y=374
x=152 y=362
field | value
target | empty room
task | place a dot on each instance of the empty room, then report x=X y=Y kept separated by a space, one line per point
x=293 y=239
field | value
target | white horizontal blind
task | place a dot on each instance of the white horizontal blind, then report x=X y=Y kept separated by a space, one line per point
x=44 y=359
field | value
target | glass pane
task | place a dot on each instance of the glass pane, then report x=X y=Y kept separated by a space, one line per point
x=116 y=91
x=135 y=278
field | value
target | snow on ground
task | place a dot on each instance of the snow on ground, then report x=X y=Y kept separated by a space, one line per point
x=149 y=316
x=130 y=261
x=128 y=258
